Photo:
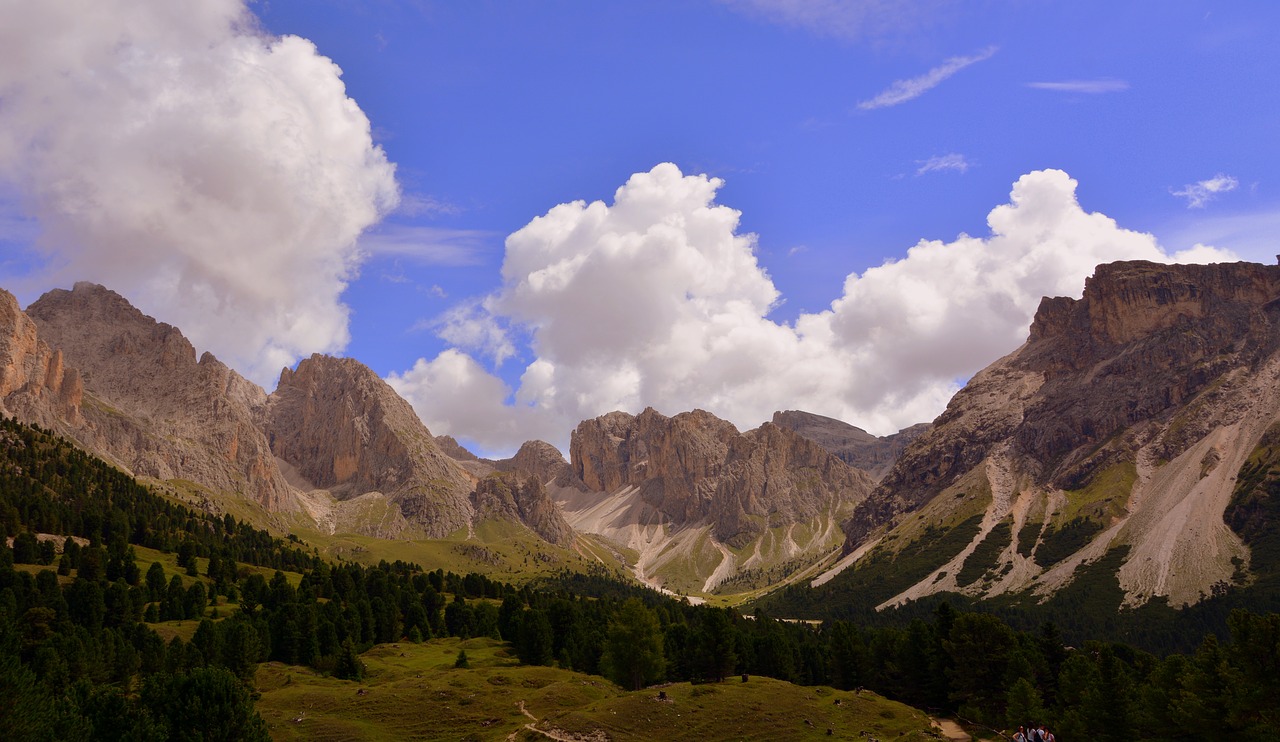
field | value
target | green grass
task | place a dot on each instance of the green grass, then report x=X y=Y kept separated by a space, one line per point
x=1103 y=498
x=760 y=709
x=413 y=691
x=501 y=550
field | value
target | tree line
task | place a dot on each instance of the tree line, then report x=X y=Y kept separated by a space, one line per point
x=80 y=659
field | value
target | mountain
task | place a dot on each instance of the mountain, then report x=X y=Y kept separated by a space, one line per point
x=333 y=446
x=345 y=431
x=35 y=383
x=149 y=405
x=852 y=445
x=1114 y=436
x=697 y=506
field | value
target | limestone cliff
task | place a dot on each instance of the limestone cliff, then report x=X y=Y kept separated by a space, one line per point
x=695 y=467
x=345 y=430
x=505 y=496
x=35 y=383
x=148 y=403
x=1122 y=422
x=649 y=481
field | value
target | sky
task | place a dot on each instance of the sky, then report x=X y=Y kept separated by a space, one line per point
x=526 y=214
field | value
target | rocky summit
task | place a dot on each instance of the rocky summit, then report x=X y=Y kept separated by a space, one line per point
x=344 y=430
x=703 y=503
x=1117 y=430
x=149 y=404
x=333 y=445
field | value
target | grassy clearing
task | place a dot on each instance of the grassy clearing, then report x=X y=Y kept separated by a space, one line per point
x=413 y=691
x=501 y=550
x=761 y=709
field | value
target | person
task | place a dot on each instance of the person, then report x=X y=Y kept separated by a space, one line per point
x=1049 y=736
x=1020 y=735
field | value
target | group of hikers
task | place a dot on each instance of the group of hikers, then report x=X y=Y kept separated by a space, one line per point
x=1034 y=733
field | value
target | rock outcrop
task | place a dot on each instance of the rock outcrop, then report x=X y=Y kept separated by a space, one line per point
x=345 y=430
x=695 y=466
x=35 y=383
x=504 y=496
x=148 y=403
x=852 y=445
x=1124 y=417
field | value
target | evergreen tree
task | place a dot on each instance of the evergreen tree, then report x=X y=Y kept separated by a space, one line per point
x=348 y=665
x=633 y=656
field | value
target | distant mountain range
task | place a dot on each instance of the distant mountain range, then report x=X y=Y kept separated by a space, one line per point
x=1120 y=433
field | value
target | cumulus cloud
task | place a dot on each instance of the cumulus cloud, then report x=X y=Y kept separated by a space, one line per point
x=902 y=91
x=1090 y=87
x=951 y=161
x=1199 y=194
x=657 y=299
x=851 y=20
x=217 y=176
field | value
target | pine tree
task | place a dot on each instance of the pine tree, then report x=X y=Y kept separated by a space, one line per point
x=348 y=665
x=633 y=654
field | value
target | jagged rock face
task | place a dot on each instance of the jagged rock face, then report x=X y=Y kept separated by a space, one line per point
x=542 y=461
x=1157 y=384
x=852 y=445
x=696 y=467
x=1144 y=339
x=504 y=496
x=346 y=430
x=150 y=405
x=35 y=383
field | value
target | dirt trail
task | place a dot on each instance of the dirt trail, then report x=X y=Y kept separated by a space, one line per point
x=951 y=730
x=559 y=735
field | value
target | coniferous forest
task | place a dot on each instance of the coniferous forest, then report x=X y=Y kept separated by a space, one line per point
x=81 y=656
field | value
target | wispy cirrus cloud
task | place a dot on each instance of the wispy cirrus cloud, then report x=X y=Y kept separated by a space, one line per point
x=952 y=161
x=851 y=20
x=430 y=245
x=1089 y=87
x=1201 y=193
x=902 y=91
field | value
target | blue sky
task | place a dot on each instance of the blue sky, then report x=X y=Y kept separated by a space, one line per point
x=844 y=133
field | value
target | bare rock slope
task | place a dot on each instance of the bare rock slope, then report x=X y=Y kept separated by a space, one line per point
x=149 y=404
x=345 y=430
x=1121 y=423
x=702 y=503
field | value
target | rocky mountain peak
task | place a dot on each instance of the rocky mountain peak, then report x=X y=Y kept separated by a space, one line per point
x=150 y=405
x=696 y=467
x=346 y=430
x=1125 y=411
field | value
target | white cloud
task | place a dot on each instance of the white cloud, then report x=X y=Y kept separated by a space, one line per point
x=472 y=326
x=1090 y=87
x=851 y=20
x=1199 y=194
x=216 y=176
x=902 y=91
x=658 y=300
x=951 y=161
